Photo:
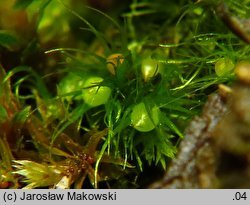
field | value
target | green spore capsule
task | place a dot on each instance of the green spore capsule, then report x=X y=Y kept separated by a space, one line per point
x=144 y=120
x=94 y=94
x=224 y=66
x=149 y=68
x=69 y=84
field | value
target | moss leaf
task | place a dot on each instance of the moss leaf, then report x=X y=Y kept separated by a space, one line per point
x=22 y=4
x=7 y=39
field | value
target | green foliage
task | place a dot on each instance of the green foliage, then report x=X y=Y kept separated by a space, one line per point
x=22 y=4
x=37 y=175
x=7 y=39
x=3 y=114
x=122 y=95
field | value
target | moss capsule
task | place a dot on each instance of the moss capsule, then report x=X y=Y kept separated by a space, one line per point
x=224 y=66
x=93 y=94
x=149 y=68
x=113 y=61
x=144 y=120
x=70 y=83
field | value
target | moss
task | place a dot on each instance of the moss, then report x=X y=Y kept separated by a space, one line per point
x=56 y=128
